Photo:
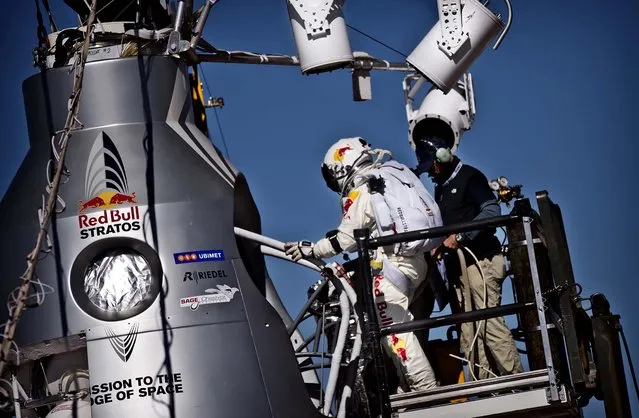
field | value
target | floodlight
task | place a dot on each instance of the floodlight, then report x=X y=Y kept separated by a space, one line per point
x=464 y=29
x=446 y=116
x=320 y=34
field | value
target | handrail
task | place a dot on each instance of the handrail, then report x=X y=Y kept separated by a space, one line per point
x=458 y=318
x=266 y=250
x=442 y=231
x=507 y=27
x=275 y=248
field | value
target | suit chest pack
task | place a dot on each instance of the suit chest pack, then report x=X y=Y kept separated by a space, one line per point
x=400 y=204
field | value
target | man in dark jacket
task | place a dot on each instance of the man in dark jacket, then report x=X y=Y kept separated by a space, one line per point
x=463 y=194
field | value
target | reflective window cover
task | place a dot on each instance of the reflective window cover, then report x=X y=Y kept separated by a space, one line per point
x=117 y=280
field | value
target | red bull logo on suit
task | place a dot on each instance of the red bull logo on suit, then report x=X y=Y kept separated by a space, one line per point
x=106 y=188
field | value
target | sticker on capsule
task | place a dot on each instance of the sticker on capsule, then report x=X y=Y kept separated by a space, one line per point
x=198 y=256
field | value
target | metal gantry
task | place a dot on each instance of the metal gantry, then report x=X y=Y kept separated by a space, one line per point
x=551 y=390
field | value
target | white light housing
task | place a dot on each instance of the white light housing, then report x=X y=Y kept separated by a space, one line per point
x=446 y=116
x=320 y=34
x=462 y=33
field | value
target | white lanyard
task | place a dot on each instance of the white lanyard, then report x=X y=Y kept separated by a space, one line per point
x=455 y=172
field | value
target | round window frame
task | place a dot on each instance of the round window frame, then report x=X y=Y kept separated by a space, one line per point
x=96 y=249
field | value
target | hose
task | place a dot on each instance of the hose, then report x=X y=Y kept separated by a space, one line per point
x=337 y=354
x=462 y=262
x=73 y=375
x=632 y=368
x=359 y=171
x=357 y=347
x=275 y=248
x=270 y=242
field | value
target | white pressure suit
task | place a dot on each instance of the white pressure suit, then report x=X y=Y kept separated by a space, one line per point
x=407 y=273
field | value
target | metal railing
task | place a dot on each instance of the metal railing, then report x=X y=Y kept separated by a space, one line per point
x=374 y=333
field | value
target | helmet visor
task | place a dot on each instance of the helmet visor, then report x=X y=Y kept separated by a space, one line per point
x=330 y=179
x=425 y=158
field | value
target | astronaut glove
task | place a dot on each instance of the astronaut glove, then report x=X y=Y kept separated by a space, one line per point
x=299 y=250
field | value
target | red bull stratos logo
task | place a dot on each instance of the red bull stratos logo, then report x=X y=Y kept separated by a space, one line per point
x=107 y=189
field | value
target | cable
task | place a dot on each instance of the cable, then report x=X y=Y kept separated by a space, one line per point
x=219 y=127
x=485 y=296
x=217 y=118
x=632 y=368
x=503 y=241
x=377 y=40
x=52 y=24
x=478 y=365
x=46 y=380
x=71 y=124
x=41 y=30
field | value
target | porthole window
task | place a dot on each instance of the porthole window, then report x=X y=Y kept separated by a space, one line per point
x=118 y=280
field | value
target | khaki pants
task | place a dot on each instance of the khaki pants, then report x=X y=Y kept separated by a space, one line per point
x=494 y=335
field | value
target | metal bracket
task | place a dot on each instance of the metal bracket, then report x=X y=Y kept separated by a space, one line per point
x=563 y=396
x=314 y=13
x=557 y=323
x=175 y=44
x=362 y=89
x=411 y=84
x=361 y=77
x=470 y=101
x=450 y=18
x=537 y=328
x=523 y=243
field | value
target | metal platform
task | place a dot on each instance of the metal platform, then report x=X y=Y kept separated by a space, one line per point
x=521 y=395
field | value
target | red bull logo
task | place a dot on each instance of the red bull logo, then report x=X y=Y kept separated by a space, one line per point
x=96 y=202
x=119 y=198
x=380 y=303
x=106 y=200
x=109 y=222
x=349 y=201
x=399 y=347
x=107 y=188
x=339 y=153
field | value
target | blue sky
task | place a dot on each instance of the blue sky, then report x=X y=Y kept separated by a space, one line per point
x=555 y=107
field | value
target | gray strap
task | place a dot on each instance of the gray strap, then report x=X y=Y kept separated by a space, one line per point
x=396 y=277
